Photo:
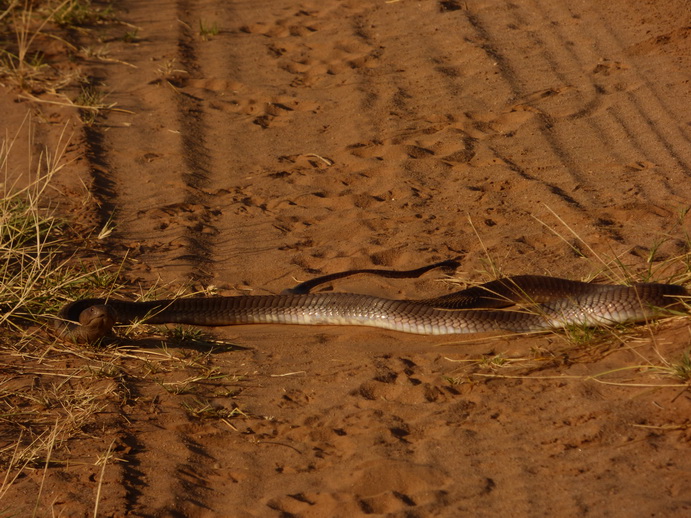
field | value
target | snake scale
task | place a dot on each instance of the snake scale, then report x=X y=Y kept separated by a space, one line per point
x=538 y=302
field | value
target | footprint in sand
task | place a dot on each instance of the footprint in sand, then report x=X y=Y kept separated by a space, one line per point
x=302 y=45
x=260 y=108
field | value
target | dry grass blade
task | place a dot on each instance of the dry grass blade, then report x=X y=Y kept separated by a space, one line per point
x=9 y=9
x=21 y=65
x=30 y=272
x=668 y=260
x=104 y=462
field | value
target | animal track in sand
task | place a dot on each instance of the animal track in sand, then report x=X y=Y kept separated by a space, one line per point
x=405 y=383
x=302 y=45
x=188 y=215
x=443 y=144
x=261 y=108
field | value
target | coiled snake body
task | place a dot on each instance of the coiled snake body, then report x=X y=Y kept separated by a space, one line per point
x=548 y=302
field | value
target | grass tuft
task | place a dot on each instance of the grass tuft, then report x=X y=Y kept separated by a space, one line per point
x=78 y=13
x=52 y=393
x=208 y=31
x=19 y=60
x=91 y=102
x=682 y=368
x=31 y=273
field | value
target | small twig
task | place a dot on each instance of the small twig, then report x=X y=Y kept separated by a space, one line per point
x=279 y=444
x=287 y=374
x=100 y=478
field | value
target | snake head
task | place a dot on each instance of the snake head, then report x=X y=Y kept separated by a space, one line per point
x=95 y=318
x=96 y=322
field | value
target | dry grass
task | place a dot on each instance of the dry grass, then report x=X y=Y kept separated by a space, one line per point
x=30 y=237
x=21 y=62
x=28 y=29
x=52 y=393
x=585 y=344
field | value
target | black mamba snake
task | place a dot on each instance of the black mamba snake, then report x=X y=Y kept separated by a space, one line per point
x=543 y=303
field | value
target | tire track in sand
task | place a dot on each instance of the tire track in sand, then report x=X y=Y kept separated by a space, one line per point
x=196 y=155
x=435 y=132
x=666 y=124
x=659 y=138
x=589 y=107
x=183 y=488
x=162 y=220
x=160 y=215
x=103 y=189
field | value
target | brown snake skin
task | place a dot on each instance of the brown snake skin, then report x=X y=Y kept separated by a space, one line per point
x=544 y=303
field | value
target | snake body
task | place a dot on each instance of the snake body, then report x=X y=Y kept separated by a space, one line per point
x=549 y=302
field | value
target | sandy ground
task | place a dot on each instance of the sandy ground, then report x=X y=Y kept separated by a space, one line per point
x=533 y=136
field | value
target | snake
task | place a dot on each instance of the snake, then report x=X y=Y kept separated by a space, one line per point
x=517 y=304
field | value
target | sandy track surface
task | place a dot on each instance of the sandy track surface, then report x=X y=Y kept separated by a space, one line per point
x=532 y=136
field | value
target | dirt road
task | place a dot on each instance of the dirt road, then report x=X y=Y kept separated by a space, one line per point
x=264 y=143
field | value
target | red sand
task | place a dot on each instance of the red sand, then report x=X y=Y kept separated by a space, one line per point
x=320 y=136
